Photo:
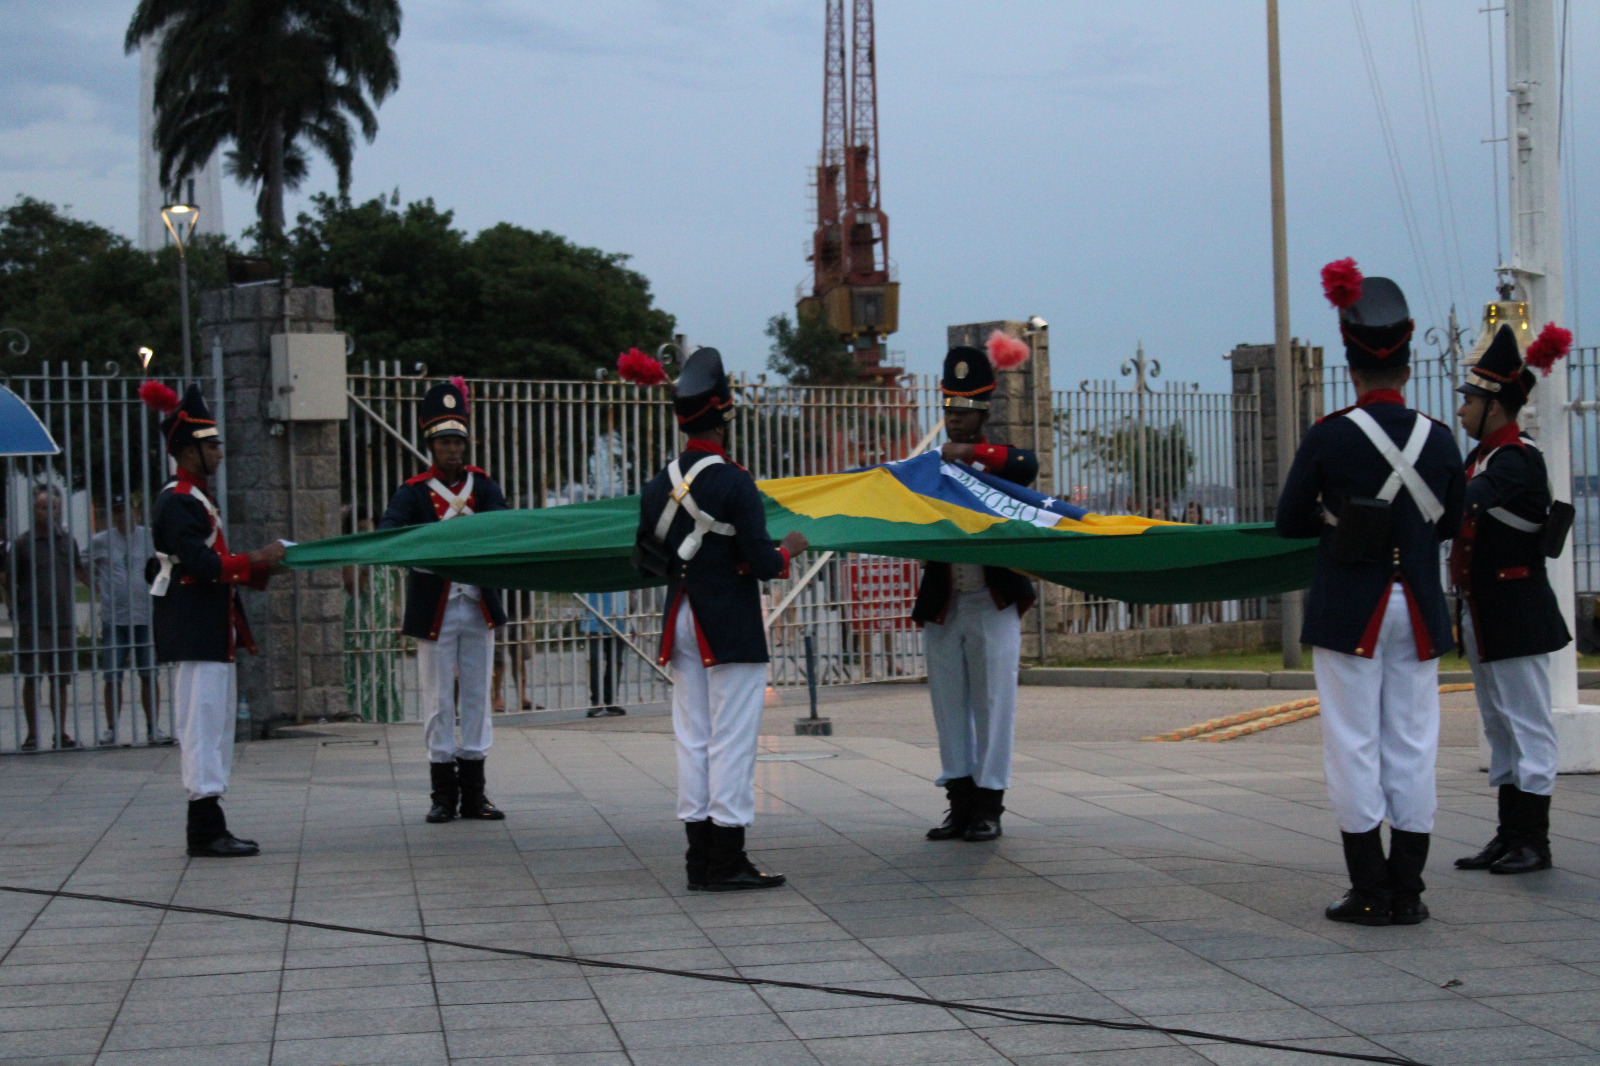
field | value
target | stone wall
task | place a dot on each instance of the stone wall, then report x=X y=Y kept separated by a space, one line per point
x=1215 y=638
x=300 y=671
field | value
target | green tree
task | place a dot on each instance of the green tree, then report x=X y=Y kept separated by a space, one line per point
x=810 y=352
x=270 y=77
x=81 y=292
x=1156 y=460
x=509 y=302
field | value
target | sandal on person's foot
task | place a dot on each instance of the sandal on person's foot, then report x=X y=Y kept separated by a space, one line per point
x=31 y=744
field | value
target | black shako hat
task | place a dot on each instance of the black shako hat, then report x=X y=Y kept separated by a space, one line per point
x=445 y=412
x=701 y=397
x=1500 y=373
x=968 y=379
x=190 y=422
x=1377 y=327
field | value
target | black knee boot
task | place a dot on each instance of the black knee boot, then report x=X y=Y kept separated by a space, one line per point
x=1367 y=902
x=1497 y=848
x=446 y=791
x=1528 y=845
x=958 y=791
x=988 y=804
x=730 y=869
x=474 y=804
x=697 y=859
x=208 y=835
x=1408 y=854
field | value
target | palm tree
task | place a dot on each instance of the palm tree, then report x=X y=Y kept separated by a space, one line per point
x=269 y=76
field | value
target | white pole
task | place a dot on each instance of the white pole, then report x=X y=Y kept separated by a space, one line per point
x=1285 y=395
x=1532 y=112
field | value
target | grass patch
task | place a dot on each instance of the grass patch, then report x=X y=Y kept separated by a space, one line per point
x=1252 y=660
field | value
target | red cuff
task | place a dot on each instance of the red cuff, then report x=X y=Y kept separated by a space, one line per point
x=235 y=569
x=992 y=456
x=786 y=560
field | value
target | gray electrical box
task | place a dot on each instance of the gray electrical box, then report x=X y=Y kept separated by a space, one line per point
x=308 y=378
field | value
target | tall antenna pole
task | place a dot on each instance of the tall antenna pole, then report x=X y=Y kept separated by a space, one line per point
x=1532 y=148
x=1285 y=399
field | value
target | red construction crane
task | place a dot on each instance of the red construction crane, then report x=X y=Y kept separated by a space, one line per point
x=850 y=249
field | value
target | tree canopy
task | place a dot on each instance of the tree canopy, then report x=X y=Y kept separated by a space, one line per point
x=82 y=292
x=508 y=302
x=809 y=352
x=270 y=77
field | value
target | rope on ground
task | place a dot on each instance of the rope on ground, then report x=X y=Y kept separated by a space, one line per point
x=1244 y=723
x=1004 y=1013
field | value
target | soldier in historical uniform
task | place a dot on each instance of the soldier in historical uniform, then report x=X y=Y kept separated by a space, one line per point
x=453 y=623
x=972 y=625
x=198 y=621
x=1510 y=621
x=1381 y=485
x=702 y=527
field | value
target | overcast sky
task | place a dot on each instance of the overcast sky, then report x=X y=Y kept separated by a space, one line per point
x=1102 y=165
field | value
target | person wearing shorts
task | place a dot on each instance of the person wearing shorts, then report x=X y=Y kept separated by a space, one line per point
x=118 y=554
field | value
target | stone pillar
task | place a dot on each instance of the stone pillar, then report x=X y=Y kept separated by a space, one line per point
x=1022 y=414
x=300 y=670
x=1256 y=439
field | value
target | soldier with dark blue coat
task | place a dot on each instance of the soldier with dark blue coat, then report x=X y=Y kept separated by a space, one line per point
x=702 y=526
x=453 y=623
x=1381 y=485
x=971 y=618
x=1510 y=620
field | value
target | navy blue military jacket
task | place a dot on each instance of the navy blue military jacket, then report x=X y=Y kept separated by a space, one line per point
x=1020 y=467
x=1499 y=570
x=1335 y=462
x=426 y=593
x=198 y=618
x=723 y=580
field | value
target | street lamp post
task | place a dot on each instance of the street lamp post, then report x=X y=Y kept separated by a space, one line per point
x=180 y=220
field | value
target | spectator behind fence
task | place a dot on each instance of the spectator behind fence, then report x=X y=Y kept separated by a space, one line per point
x=605 y=651
x=118 y=554
x=40 y=573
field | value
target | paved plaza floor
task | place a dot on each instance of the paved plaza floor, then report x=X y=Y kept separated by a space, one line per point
x=1180 y=884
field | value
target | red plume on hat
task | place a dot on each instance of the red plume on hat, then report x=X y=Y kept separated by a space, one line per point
x=160 y=398
x=466 y=394
x=1551 y=344
x=637 y=367
x=1341 y=283
x=1005 y=352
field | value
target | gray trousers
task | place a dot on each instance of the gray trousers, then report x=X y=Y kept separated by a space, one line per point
x=1514 y=703
x=973 y=660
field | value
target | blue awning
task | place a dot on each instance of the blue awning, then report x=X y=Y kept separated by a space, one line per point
x=21 y=432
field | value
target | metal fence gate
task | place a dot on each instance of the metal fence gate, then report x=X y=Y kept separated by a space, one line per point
x=551 y=443
x=77 y=640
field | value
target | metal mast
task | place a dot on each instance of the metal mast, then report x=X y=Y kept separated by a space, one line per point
x=827 y=243
x=1532 y=146
x=868 y=225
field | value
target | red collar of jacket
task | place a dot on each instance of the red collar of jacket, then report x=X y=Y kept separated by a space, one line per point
x=432 y=473
x=710 y=446
x=1510 y=433
x=1381 y=396
x=193 y=480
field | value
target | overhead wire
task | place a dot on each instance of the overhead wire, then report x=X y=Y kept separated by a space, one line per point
x=1408 y=212
x=1444 y=194
x=1015 y=1014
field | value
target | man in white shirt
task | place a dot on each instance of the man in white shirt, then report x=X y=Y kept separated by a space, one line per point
x=118 y=554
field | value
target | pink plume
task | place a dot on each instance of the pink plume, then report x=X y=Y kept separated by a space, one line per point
x=466 y=394
x=1006 y=353
x=158 y=397
x=1551 y=344
x=1341 y=283
x=637 y=367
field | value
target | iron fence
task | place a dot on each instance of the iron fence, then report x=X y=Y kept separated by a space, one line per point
x=557 y=442
x=1176 y=453
x=76 y=544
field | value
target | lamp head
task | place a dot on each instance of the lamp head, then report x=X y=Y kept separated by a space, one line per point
x=180 y=220
x=145 y=355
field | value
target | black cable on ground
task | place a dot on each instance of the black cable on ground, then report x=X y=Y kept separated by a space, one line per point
x=1004 y=1013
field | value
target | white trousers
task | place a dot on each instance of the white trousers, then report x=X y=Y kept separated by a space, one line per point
x=204 y=695
x=973 y=659
x=716 y=717
x=1380 y=728
x=1514 y=703
x=454 y=674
